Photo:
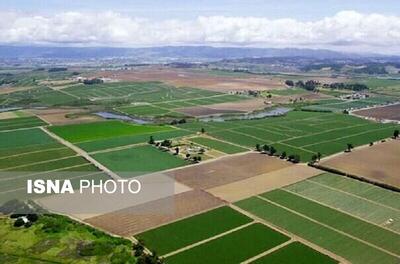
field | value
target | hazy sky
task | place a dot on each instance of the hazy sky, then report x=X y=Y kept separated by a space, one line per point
x=352 y=25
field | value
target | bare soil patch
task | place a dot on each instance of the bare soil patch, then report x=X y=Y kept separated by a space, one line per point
x=262 y=183
x=136 y=219
x=380 y=163
x=190 y=78
x=227 y=170
x=391 y=112
x=61 y=116
x=11 y=89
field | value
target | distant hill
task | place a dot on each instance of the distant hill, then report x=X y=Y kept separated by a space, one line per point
x=167 y=52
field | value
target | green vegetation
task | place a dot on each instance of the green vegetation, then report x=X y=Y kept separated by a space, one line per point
x=295 y=253
x=361 y=207
x=351 y=249
x=23 y=139
x=114 y=142
x=139 y=160
x=298 y=133
x=193 y=229
x=370 y=233
x=232 y=248
x=20 y=122
x=56 y=239
x=218 y=145
x=103 y=130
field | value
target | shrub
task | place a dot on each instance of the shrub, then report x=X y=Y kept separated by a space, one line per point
x=19 y=222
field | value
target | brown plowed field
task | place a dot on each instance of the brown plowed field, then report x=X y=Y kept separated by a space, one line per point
x=391 y=112
x=63 y=116
x=246 y=188
x=197 y=79
x=227 y=170
x=380 y=163
x=136 y=219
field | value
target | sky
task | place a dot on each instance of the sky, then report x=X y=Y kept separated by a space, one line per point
x=346 y=25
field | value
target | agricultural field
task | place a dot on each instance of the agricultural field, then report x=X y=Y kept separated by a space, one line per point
x=139 y=160
x=378 y=163
x=32 y=154
x=390 y=112
x=344 y=216
x=298 y=133
x=218 y=145
x=174 y=236
x=352 y=104
x=20 y=122
x=103 y=130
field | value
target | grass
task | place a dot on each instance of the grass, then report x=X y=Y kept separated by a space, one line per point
x=298 y=132
x=365 y=231
x=361 y=189
x=232 y=248
x=56 y=239
x=103 y=130
x=114 y=142
x=218 y=145
x=20 y=122
x=358 y=206
x=23 y=138
x=295 y=253
x=193 y=229
x=338 y=243
x=139 y=160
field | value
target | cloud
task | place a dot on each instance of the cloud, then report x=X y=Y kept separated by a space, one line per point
x=347 y=30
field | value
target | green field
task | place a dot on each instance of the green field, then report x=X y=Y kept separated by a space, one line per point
x=103 y=130
x=20 y=122
x=346 y=223
x=349 y=248
x=218 y=145
x=295 y=253
x=114 y=142
x=193 y=229
x=302 y=133
x=232 y=248
x=139 y=160
x=372 y=210
x=352 y=104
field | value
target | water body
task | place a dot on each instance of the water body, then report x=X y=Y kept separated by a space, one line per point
x=258 y=115
x=108 y=115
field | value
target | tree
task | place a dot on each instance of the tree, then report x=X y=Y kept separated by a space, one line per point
x=203 y=130
x=314 y=158
x=19 y=222
x=265 y=148
x=319 y=155
x=138 y=248
x=396 y=134
x=289 y=83
x=349 y=147
x=283 y=155
x=272 y=151
x=187 y=156
x=258 y=147
x=176 y=151
x=151 y=140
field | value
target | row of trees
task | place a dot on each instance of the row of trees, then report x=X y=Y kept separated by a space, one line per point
x=311 y=85
x=143 y=257
x=272 y=151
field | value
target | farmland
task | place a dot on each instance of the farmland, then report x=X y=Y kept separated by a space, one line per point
x=218 y=145
x=377 y=163
x=32 y=154
x=390 y=112
x=21 y=122
x=102 y=130
x=135 y=160
x=174 y=236
x=301 y=133
x=346 y=228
